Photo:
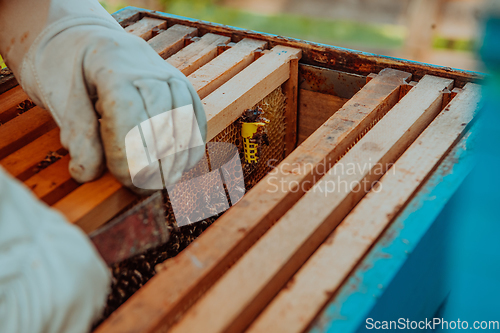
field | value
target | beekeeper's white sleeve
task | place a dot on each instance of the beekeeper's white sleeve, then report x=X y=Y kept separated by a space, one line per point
x=51 y=278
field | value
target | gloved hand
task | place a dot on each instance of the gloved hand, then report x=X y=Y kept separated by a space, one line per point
x=51 y=278
x=74 y=59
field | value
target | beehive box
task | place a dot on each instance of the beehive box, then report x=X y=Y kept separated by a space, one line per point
x=300 y=244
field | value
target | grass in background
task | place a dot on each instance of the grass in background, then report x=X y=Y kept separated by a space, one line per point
x=312 y=29
x=334 y=32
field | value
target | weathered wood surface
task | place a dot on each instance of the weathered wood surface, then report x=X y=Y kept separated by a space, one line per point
x=94 y=203
x=53 y=183
x=314 y=109
x=21 y=164
x=324 y=272
x=9 y=102
x=169 y=42
x=218 y=71
x=247 y=88
x=291 y=90
x=144 y=27
x=23 y=129
x=317 y=54
x=158 y=304
x=197 y=54
x=286 y=246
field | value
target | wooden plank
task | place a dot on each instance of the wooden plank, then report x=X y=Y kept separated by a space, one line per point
x=455 y=92
x=94 y=203
x=247 y=88
x=21 y=163
x=144 y=27
x=447 y=97
x=409 y=247
x=23 y=129
x=54 y=182
x=266 y=267
x=290 y=89
x=325 y=271
x=9 y=102
x=314 y=109
x=94 y=213
x=197 y=54
x=196 y=268
x=171 y=41
x=406 y=88
x=318 y=54
x=218 y=71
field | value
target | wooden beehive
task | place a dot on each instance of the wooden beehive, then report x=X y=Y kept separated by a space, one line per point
x=228 y=79
x=274 y=260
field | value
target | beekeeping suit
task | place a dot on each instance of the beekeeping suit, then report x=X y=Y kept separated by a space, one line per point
x=98 y=82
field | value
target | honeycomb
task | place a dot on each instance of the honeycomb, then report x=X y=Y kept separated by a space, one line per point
x=197 y=195
x=133 y=273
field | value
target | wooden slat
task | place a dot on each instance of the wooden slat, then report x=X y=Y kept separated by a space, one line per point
x=197 y=54
x=23 y=129
x=290 y=89
x=94 y=213
x=53 y=182
x=406 y=88
x=266 y=267
x=322 y=55
x=247 y=88
x=171 y=41
x=9 y=102
x=218 y=71
x=314 y=109
x=94 y=203
x=324 y=272
x=21 y=163
x=144 y=27
x=196 y=268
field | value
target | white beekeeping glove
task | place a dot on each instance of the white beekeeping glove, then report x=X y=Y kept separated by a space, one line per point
x=74 y=59
x=51 y=278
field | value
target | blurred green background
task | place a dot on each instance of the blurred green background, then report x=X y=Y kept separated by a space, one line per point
x=290 y=25
x=442 y=32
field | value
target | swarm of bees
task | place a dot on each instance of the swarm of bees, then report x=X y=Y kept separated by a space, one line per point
x=131 y=274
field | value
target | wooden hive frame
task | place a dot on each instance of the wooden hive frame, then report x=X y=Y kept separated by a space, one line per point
x=229 y=79
x=281 y=261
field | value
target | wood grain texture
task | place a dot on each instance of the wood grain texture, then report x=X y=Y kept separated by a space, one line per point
x=94 y=213
x=197 y=54
x=9 y=102
x=265 y=268
x=406 y=88
x=318 y=54
x=171 y=41
x=21 y=163
x=158 y=304
x=290 y=89
x=144 y=27
x=23 y=129
x=54 y=182
x=324 y=272
x=247 y=88
x=218 y=71
x=313 y=110
x=94 y=203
